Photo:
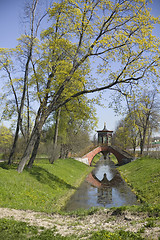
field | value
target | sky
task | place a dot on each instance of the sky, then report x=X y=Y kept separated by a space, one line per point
x=11 y=29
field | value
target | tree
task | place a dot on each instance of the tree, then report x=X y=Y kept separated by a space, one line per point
x=141 y=119
x=6 y=138
x=68 y=129
x=75 y=127
x=126 y=135
x=147 y=116
x=73 y=123
x=110 y=31
x=25 y=48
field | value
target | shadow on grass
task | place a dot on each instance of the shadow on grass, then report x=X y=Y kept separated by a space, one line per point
x=45 y=177
x=41 y=175
x=5 y=166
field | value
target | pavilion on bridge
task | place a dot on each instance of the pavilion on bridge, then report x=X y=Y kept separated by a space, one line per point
x=104 y=136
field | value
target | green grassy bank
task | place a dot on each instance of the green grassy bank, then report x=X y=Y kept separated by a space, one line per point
x=45 y=187
x=143 y=175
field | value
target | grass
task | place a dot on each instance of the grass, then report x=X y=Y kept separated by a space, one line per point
x=11 y=229
x=143 y=175
x=17 y=230
x=117 y=235
x=96 y=159
x=44 y=187
x=113 y=158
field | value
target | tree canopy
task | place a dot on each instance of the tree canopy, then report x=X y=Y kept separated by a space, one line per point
x=142 y=119
x=117 y=35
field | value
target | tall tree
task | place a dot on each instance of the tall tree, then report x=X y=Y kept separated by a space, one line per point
x=126 y=135
x=71 y=120
x=29 y=41
x=108 y=32
x=142 y=118
x=120 y=31
x=25 y=48
x=147 y=116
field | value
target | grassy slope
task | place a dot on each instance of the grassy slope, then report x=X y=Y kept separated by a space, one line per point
x=144 y=177
x=45 y=187
x=51 y=182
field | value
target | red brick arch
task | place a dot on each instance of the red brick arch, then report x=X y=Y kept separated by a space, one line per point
x=122 y=157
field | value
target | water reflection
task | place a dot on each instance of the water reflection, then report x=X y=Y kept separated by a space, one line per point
x=103 y=187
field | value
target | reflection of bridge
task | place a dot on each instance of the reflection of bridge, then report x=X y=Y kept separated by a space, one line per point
x=105 y=187
x=122 y=156
x=104 y=183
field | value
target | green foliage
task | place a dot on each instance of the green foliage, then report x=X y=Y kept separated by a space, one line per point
x=96 y=159
x=59 y=62
x=106 y=235
x=71 y=129
x=5 y=139
x=126 y=134
x=81 y=212
x=150 y=223
x=144 y=177
x=152 y=154
x=142 y=117
x=44 y=188
x=11 y=229
x=113 y=158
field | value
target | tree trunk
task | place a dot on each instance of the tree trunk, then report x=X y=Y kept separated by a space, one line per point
x=32 y=20
x=14 y=144
x=33 y=139
x=34 y=153
x=134 y=149
x=21 y=106
x=28 y=115
x=53 y=156
x=149 y=138
x=64 y=151
x=36 y=133
x=141 y=146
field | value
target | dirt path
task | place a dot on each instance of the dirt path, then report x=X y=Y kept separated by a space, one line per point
x=103 y=219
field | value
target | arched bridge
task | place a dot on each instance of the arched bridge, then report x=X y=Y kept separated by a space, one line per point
x=122 y=156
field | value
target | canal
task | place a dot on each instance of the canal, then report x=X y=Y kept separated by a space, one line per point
x=103 y=187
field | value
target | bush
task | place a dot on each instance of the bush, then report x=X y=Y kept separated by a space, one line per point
x=152 y=154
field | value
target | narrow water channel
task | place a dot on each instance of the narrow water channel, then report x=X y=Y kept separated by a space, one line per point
x=103 y=187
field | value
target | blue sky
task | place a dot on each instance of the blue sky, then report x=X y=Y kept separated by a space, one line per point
x=10 y=30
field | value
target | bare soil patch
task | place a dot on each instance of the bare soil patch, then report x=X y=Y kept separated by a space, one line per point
x=103 y=219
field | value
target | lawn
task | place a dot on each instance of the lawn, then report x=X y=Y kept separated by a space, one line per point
x=143 y=175
x=11 y=229
x=45 y=187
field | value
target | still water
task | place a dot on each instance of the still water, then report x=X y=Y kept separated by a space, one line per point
x=104 y=187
